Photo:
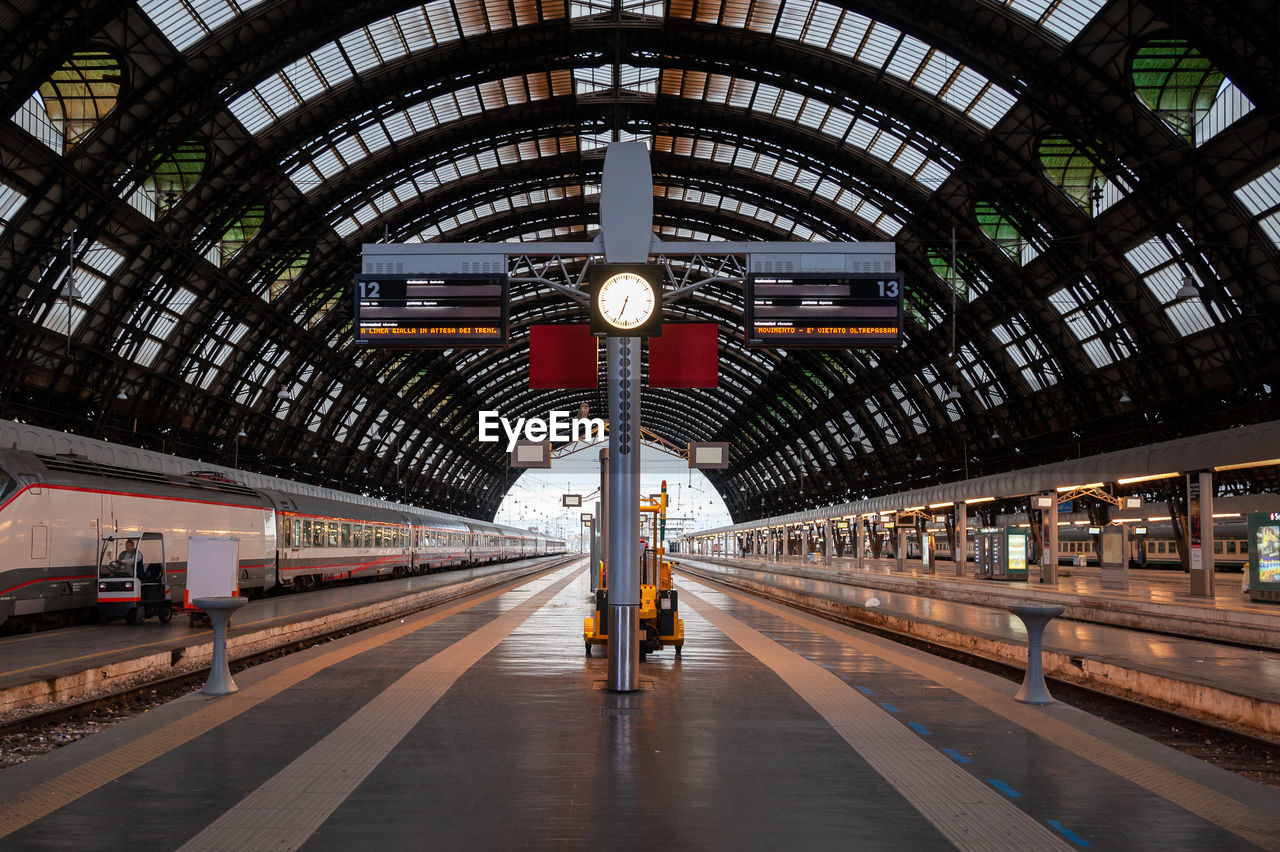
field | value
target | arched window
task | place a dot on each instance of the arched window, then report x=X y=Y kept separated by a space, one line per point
x=287 y=274
x=1075 y=169
x=174 y=173
x=242 y=229
x=81 y=93
x=1177 y=82
x=1002 y=229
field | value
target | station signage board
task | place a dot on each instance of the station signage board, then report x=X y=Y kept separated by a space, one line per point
x=453 y=311
x=829 y=310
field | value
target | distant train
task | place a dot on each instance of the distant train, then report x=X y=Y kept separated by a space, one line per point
x=56 y=509
x=1156 y=549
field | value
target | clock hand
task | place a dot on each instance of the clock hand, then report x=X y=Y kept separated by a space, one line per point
x=622 y=310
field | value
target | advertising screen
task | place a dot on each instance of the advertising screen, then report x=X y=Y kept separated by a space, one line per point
x=1264 y=547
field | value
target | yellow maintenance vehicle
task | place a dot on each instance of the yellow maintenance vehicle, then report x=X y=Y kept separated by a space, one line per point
x=660 y=622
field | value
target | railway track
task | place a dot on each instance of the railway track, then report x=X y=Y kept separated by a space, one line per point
x=110 y=707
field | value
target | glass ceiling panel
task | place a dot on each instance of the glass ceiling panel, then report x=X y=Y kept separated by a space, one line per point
x=328 y=159
x=703 y=149
x=405 y=33
x=11 y=202
x=866 y=42
x=1262 y=196
x=186 y=23
x=906 y=154
x=1163 y=274
x=1065 y=18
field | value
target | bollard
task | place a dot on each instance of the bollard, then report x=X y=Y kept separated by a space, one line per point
x=1035 y=617
x=219 y=610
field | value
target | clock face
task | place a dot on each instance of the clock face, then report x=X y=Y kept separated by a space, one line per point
x=626 y=300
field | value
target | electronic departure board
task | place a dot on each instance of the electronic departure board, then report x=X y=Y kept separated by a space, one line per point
x=448 y=311
x=834 y=310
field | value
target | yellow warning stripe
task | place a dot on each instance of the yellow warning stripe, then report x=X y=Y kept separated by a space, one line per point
x=47 y=797
x=964 y=810
x=1253 y=825
x=288 y=808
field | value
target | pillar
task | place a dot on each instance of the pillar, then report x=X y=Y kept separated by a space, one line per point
x=900 y=545
x=1200 y=531
x=1049 y=538
x=961 y=544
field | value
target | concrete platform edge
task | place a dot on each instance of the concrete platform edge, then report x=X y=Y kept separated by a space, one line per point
x=41 y=692
x=1244 y=712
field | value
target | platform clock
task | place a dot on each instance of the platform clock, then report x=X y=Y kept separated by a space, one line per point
x=626 y=300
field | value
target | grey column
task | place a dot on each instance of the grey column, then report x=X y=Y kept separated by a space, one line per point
x=961 y=544
x=859 y=539
x=624 y=513
x=900 y=545
x=1049 y=541
x=828 y=542
x=602 y=513
x=1200 y=531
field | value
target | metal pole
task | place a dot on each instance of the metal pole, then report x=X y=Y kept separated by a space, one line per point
x=71 y=285
x=624 y=512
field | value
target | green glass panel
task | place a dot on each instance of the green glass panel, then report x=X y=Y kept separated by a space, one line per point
x=242 y=229
x=1177 y=82
x=1073 y=168
x=940 y=262
x=288 y=275
x=1000 y=228
x=173 y=173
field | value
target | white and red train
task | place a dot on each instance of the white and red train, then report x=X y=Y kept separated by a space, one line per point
x=55 y=509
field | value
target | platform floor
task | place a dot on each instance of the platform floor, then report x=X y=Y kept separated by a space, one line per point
x=1244 y=671
x=482 y=725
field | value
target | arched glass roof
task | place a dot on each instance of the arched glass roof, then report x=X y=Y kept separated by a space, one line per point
x=1085 y=266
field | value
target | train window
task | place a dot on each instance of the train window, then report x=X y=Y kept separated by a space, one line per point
x=1231 y=547
x=357 y=535
x=317 y=533
x=306 y=532
x=368 y=535
x=333 y=533
x=346 y=535
x=377 y=536
x=1217 y=547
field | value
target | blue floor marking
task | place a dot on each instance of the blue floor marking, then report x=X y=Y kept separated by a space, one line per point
x=1004 y=788
x=1070 y=835
x=865 y=690
x=918 y=728
x=886 y=705
x=956 y=756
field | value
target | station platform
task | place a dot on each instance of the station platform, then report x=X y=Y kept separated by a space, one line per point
x=480 y=724
x=77 y=662
x=1192 y=655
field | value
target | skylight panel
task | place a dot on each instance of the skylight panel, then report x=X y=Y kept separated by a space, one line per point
x=1064 y=18
x=186 y=23
x=1162 y=274
x=849 y=35
x=879 y=44
x=1262 y=197
x=907 y=59
x=11 y=202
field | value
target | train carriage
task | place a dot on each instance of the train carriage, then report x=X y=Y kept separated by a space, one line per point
x=55 y=509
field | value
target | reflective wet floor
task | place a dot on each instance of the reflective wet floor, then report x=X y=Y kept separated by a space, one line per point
x=483 y=725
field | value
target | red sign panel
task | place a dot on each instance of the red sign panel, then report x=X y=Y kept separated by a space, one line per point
x=562 y=356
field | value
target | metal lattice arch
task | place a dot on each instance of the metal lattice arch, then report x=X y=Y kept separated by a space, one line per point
x=1085 y=198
